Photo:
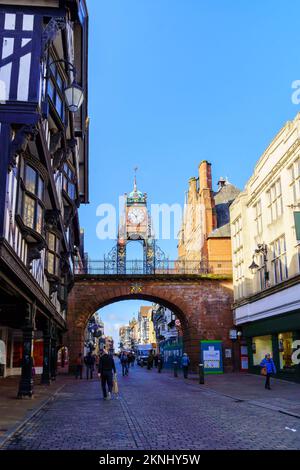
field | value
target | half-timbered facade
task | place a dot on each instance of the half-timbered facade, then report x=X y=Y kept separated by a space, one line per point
x=43 y=176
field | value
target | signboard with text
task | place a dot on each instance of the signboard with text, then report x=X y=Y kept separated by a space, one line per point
x=212 y=356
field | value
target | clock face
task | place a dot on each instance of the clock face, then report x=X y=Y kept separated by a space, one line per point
x=136 y=215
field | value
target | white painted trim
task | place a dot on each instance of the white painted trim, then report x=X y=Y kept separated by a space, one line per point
x=278 y=303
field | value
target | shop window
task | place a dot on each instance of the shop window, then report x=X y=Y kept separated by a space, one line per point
x=261 y=345
x=31 y=193
x=285 y=346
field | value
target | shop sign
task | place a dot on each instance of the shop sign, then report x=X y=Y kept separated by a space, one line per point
x=211 y=352
x=233 y=334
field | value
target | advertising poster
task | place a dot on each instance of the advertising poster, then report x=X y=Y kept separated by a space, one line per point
x=211 y=354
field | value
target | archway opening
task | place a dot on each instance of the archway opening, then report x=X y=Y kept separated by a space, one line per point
x=138 y=327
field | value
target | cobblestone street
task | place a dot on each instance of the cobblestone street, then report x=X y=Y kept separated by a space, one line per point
x=154 y=411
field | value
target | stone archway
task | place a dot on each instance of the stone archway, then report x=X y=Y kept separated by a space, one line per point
x=202 y=303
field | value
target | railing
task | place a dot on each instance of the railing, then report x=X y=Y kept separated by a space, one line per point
x=139 y=267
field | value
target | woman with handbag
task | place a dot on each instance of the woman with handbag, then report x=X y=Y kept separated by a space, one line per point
x=268 y=368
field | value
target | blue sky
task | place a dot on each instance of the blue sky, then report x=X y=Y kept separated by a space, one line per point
x=173 y=82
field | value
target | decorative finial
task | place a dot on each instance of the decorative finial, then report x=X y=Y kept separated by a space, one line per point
x=135 y=185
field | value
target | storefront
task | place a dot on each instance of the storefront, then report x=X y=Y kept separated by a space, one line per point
x=12 y=350
x=279 y=336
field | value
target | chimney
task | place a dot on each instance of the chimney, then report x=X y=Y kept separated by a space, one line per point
x=192 y=185
x=205 y=180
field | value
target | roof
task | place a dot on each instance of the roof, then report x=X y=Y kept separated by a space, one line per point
x=223 y=199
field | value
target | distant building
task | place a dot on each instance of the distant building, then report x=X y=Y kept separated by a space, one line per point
x=146 y=332
x=205 y=232
x=166 y=326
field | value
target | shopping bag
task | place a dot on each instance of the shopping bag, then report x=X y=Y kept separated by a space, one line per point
x=115 y=386
x=263 y=371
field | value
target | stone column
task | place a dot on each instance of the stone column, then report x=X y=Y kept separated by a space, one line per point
x=46 y=375
x=26 y=381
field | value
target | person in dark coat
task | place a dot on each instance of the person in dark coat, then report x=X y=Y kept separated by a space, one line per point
x=124 y=363
x=89 y=361
x=106 y=370
x=268 y=363
x=79 y=366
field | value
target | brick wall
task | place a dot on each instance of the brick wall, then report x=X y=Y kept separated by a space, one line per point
x=202 y=305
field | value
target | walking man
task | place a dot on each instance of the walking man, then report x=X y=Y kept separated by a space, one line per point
x=124 y=363
x=105 y=372
x=185 y=362
x=89 y=362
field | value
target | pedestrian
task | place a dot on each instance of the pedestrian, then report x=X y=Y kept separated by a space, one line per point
x=150 y=361
x=268 y=368
x=160 y=362
x=124 y=363
x=106 y=370
x=89 y=362
x=79 y=366
x=185 y=362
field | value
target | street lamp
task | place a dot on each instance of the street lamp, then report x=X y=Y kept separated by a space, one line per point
x=74 y=95
x=262 y=249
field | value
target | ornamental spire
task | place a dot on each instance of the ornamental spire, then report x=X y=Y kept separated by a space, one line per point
x=134 y=184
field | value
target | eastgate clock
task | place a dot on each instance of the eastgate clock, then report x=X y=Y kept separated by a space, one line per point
x=136 y=215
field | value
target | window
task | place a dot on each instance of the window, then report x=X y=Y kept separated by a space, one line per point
x=238 y=257
x=279 y=260
x=56 y=89
x=261 y=270
x=31 y=194
x=69 y=181
x=285 y=346
x=53 y=254
x=295 y=180
x=258 y=218
x=275 y=201
x=261 y=345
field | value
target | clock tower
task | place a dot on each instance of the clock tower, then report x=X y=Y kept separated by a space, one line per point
x=135 y=225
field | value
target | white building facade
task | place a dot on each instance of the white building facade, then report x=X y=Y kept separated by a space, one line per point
x=266 y=255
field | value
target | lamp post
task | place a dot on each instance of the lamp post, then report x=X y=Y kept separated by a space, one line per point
x=262 y=249
x=74 y=95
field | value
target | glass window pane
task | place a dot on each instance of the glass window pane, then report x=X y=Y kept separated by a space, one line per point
x=28 y=216
x=51 y=91
x=30 y=179
x=39 y=218
x=40 y=188
x=51 y=263
x=51 y=241
x=262 y=345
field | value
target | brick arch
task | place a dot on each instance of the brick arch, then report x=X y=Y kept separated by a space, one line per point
x=202 y=305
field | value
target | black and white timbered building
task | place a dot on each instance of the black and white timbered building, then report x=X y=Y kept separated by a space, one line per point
x=43 y=177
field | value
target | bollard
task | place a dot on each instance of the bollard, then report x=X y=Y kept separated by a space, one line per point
x=159 y=366
x=201 y=374
x=175 y=369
